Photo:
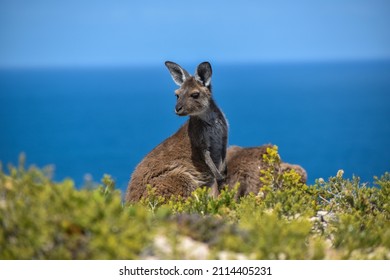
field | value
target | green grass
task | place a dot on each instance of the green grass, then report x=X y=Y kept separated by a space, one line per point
x=337 y=218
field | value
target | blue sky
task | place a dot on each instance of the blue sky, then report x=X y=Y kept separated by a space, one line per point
x=118 y=32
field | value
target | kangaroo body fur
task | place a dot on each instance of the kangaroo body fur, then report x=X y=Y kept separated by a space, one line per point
x=244 y=165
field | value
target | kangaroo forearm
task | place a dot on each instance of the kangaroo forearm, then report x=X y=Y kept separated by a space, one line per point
x=217 y=174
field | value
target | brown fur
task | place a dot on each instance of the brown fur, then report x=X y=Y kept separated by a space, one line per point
x=244 y=165
x=284 y=166
x=170 y=168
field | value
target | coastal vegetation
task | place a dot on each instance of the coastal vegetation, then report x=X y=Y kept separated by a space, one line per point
x=335 y=218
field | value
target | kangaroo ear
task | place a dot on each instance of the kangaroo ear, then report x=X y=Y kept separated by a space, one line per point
x=179 y=75
x=203 y=73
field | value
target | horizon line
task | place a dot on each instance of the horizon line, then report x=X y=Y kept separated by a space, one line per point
x=148 y=64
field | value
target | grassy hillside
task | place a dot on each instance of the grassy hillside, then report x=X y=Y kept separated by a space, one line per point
x=336 y=218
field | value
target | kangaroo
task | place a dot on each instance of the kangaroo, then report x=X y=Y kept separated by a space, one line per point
x=195 y=155
x=244 y=165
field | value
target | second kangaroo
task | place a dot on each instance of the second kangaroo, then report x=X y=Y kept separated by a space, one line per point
x=195 y=155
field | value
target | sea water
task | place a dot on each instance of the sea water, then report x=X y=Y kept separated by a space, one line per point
x=93 y=121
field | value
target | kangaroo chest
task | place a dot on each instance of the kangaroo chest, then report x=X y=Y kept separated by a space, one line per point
x=210 y=135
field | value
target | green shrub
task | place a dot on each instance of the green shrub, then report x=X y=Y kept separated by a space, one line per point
x=41 y=219
x=283 y=192
x=334 y=219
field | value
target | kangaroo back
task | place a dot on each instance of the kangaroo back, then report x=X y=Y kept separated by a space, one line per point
x=244 y=165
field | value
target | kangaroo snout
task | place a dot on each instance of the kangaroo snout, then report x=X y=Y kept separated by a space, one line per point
x=179 y=110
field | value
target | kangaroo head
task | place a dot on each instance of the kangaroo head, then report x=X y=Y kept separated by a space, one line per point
x=194 y=94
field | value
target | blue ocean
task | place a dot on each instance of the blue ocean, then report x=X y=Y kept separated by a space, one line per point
x=94 y=121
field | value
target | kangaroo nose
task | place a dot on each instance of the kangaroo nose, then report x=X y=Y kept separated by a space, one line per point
x=178 y=108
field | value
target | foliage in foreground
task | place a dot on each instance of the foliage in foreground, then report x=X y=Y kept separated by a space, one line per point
x=334 y=219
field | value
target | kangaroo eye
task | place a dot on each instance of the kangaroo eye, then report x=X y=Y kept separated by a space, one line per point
x=195 y=95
